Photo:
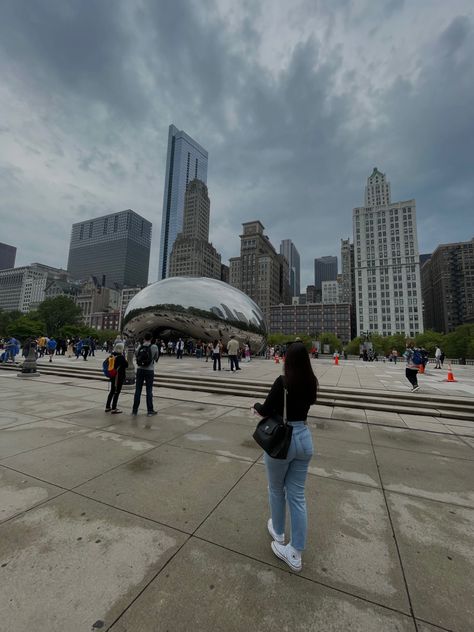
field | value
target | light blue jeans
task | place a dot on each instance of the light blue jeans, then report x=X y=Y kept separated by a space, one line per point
x=286 y=481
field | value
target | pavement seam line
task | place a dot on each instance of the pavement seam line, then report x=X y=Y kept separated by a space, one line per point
x=394 y=535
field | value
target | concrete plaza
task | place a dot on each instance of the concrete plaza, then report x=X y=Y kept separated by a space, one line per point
x=159 y=524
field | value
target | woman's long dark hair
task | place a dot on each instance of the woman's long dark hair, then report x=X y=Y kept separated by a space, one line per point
x=299 y=376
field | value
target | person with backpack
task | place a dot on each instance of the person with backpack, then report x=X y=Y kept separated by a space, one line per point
x=116 y=366
x=52 y=344
x=179 y=349
x=413 y=359
x=146 y=356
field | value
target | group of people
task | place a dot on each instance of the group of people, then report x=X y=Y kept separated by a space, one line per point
x=202 y=350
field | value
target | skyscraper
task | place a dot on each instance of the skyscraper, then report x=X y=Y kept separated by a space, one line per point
x=447 y=280
x=186 y=160
x=113 y=248
x=348 y=280
x=288 y=250
x=7 y=256
x=192 y=254
x=325 y=269
x=387 y=264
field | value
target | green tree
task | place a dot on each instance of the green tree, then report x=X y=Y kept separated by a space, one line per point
x=429 y=339
x=332 y=340
x=6 y=318
x=25 y=327
x=58 y=312
x=460 y=342
x=353 y=347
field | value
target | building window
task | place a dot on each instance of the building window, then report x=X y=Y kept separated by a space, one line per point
x=115 y=223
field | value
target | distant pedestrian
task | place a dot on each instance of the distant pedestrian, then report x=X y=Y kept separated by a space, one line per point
x=52 y=344
x=413 y=360
x=441 y=357
x=438 y=358
x=247 y=353
x=117 y=380
x=395 y=355
x=146 y=355
x=86 y=346
x=216 y=356
x=232 y=350
x=179 y=349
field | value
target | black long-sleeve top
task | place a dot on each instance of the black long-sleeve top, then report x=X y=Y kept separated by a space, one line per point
x=120 y=365
x=297 y=402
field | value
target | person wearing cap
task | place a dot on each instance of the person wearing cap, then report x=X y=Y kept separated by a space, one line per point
x=116 y=382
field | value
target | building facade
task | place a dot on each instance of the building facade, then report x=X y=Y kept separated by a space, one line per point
x=387 y=265
x=348 y=294
x=192 y=254
x=325 y=269
x=288 y=250
x=23 y=289
x=115 y=249
x=448 y=287
x=312 y=319
x=331 y=292
x=186 y=160
x=7 y=256
x=108 y=321
x=93 y=298
x=260 y=271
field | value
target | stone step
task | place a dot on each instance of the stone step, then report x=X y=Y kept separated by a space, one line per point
x=377 y=400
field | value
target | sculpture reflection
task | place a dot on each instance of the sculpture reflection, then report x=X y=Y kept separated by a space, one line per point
x=197 y=307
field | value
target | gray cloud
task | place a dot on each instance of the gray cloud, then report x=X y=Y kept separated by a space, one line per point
x=294 y=104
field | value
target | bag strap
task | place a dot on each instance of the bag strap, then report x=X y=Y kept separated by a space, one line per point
x=284 y=405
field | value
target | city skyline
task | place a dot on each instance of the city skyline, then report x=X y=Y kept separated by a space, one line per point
x=288 y=140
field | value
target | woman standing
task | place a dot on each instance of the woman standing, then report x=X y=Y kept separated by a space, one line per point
x=116 y=382
x=287 y=477
x=216 y=355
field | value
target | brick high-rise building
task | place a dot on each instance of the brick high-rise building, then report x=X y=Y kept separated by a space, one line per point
x=260 y=271
x=447 y=281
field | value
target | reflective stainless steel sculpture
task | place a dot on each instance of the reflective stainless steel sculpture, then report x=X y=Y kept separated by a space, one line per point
x=195 y=307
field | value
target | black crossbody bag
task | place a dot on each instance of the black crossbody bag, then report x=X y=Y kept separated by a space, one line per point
x=273 y=434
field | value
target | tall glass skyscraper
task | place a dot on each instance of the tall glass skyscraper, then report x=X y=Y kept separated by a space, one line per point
x=288 y=250
x=186 y=160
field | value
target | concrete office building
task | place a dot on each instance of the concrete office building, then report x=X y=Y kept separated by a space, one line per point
x=312 y=319
x=260 y=271
x=192 y=254
x=325 y=269
x=186 y=160
x=447 y=281
x=387 y=264
x=7 y=256
x=115 y=249
x=348 y=281
x=23 y=289
x=331 y=292
x=288 y=250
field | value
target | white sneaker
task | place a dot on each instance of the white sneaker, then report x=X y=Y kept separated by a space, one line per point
x=289 y=555
x=275 y=536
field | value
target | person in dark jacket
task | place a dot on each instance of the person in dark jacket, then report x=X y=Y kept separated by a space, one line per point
x=287 y=477
x=117 y=381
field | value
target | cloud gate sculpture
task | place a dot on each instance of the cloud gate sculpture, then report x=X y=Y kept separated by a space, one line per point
x=196 y=307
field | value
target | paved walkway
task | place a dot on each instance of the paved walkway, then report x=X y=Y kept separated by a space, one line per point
x=349 y=373
x=106 y=523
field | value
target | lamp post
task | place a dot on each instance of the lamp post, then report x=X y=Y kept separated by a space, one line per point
x=29 y=367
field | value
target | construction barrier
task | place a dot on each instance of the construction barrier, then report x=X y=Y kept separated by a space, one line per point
x=450 y=377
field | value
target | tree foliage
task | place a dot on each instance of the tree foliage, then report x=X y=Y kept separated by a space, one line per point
x=58 y=312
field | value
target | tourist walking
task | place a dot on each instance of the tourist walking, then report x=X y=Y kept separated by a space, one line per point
x=146 y=355
x=116 y=381
x=52 y=344
x=233 y=350
x=413 y=361
x=216 y=355
x=247 y=353
x=438 y=358
x=287 y=477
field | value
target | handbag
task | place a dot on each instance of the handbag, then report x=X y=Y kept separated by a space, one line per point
x=273 y=434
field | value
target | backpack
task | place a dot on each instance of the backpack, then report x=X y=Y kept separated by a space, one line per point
x=144 y=356
x=417 y=357
x=108 y=367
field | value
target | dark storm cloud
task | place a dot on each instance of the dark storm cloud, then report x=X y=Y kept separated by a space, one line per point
x=293 y=123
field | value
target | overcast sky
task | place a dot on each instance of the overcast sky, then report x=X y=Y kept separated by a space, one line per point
x=296 y=102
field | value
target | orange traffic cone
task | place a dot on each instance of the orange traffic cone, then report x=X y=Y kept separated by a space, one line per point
x=450 y=377
x=336 y=360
